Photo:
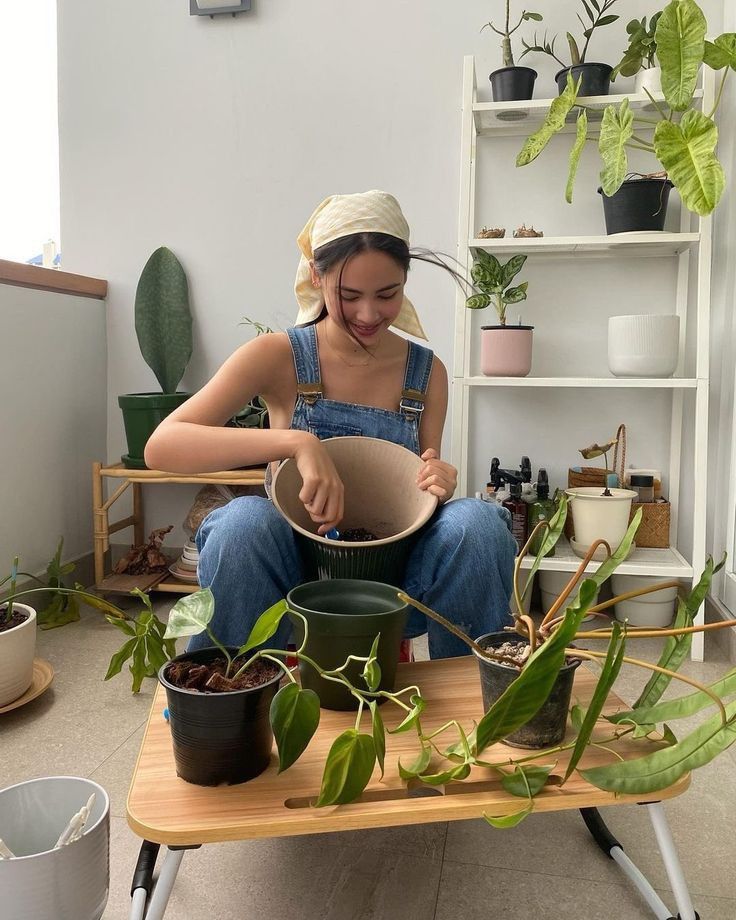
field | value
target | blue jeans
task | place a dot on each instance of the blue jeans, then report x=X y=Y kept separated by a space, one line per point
x=461 y=566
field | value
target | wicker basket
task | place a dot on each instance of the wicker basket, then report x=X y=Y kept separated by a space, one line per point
x=579 y=477
x=654 y=530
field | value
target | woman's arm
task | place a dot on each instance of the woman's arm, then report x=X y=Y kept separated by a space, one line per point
x=436 y=476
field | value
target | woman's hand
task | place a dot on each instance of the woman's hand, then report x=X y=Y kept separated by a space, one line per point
x=437 y=477
x=322 y=494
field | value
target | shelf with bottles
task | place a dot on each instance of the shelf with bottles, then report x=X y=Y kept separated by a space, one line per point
x=669 y=563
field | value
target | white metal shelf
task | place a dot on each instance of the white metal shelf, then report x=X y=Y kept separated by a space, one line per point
x=669 y=563
x=637 y=245
x=621 y=383
x=522 y=118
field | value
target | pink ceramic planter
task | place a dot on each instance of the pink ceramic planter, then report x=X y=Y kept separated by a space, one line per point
x=506 y=351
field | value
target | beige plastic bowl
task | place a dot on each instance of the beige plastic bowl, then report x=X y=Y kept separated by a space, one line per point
x=381 y=496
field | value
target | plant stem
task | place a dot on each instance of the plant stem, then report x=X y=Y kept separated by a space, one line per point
x=720 y=93
x=450 y=627
x=630 y=595
x=550 y=615
x=642 y=632
x=656 y=104
x=225 y=652
x=645 y=144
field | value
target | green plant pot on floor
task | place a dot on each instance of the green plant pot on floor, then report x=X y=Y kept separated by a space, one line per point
x=142 y=413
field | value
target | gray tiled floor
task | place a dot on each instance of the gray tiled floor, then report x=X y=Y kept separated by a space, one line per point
x=547 y=868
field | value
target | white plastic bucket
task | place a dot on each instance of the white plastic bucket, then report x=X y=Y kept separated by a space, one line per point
x=42 y=883
x=655 y=610
x=600 y=517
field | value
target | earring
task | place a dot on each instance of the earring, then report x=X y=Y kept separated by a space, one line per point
x=315 y=284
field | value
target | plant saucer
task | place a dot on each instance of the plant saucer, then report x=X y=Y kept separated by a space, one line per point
x=43 y=674
x=183 y=575
x=598 y=556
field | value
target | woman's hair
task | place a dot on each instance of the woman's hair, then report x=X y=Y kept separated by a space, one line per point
x=340 y=251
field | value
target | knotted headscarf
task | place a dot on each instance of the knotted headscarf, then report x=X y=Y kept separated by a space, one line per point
x=339 y=216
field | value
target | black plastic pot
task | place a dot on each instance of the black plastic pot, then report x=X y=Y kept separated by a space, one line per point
x=343 y=618
x=219 y=738
x=511 y=84
x=547 y=727
x=596 y=78
x=142 y=413
x=640 y=204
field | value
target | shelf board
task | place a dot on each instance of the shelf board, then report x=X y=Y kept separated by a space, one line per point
x=248 y=476
x=649 y=245
x=631 y=383
x=664 y=562
x=522 y=118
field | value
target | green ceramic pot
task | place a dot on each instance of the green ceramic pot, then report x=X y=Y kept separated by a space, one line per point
x=142 y=413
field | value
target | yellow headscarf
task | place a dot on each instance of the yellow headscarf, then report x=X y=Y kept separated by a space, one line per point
x=341 y=215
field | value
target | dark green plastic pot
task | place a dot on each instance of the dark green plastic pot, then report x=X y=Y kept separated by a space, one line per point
x=142 y=413
x=343 y=618
x=219 y=737
x=547 y=727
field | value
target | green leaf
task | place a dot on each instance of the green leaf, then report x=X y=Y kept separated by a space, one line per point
x=418 y=705
x=666 y=765
x=673 y=654
x=537 y=17
x=138 y=667
x=606 y=21
x=484 y=277
x=577 y=715
x=574 y=50
x=477 y=302
x=617 y=127
x=418 y=766
x=525 y=780
x=506 y=821
x=511 y=269
x=607 y=568
x=294 y=719
x=680 y=37
x=581 y=134
x=371 y=672
x=609 y=673
x=678 y=708
x=163 y=320
x=722 y=52
x=190 y=615
x=516 y=294
x=265 y=626
x=379 y=734
x=63 y=609
x=526 y=694
x=461 y=771
x=552 y=535
x=553 y=123
x=122 y=625
x=668 y=736
x=487 y=269
x=687 y=151
x=348 y=768
x=120 y=657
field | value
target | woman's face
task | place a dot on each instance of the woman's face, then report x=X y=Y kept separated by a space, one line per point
x=372 y=288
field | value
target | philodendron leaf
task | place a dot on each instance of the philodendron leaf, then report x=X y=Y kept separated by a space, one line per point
x=721 y=52
x=265 y=626
x=379 y=734
x=617 y=127
x=477 y=302
x=418 y=766
x=552 y=535
x=163 y=320
x=526 y=781
x=666 y=765
x=553 y=123
x=680 y=38
x=191 y=614
x=418 y=705
x=528 y=692
x=678 y=708
x=581 y=134
x=687 y=152
x=606 y=680
x=120 y=657
x=461 y=771
x=348 y=768
x=597 y=450
x=505 y=821
x=294 y=718
x=371 y=673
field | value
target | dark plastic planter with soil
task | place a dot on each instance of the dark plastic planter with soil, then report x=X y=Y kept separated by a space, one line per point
x=547 y=727
x=220 y=738
x=344 y=616
x=596 y=78
x=640 y=204
x=512 y=84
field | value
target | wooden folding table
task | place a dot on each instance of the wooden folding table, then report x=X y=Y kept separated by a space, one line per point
x=163 y=809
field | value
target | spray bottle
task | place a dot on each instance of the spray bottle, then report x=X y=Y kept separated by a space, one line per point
x=540 y=510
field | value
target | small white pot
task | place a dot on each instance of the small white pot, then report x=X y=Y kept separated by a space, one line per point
x=69 y=883
x=648 y=79
x=17 y=651
x=644 y=345
x=655 y=610
x=600 y=517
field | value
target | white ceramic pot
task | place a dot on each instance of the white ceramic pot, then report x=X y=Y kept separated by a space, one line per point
x=596 y=516
x=506 y=351
x=648 y=79
x=655 y=610
x=70 y=883
x=17 y=651
x=644 y=345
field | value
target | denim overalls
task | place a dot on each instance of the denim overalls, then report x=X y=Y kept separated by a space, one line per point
x=461 y=564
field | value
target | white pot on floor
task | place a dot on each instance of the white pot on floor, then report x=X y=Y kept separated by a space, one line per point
x=43 y=883
x=656 y=610
x=17 y=651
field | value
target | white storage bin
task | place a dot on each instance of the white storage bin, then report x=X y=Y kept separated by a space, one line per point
x=655 y=610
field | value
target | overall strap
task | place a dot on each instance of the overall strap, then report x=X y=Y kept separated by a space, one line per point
x=416 y=379
x=303 y=341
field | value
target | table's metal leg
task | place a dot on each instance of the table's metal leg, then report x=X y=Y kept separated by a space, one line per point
x=613 y=849
x=143 y=880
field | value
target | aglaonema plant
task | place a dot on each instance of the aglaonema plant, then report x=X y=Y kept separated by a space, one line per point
x=682 y=138
x=493 y=281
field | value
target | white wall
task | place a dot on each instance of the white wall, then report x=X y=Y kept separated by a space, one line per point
x=218 y=137
x=53 y=419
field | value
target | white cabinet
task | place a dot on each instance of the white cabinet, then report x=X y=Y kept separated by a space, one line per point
x=687 y=254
